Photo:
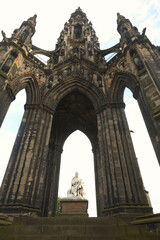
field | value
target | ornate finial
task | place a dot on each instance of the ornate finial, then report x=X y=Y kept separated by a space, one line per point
x=120 y=17
x=78 y=13
x=79 y=9
x=4 y=36
x=32 y=20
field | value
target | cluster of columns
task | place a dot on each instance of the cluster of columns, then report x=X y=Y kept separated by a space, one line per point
x=122 y=189
x=23 y=183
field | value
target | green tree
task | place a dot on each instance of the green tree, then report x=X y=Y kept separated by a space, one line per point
x=58 y=206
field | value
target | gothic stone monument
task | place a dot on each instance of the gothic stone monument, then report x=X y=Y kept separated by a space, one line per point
x=78 y=89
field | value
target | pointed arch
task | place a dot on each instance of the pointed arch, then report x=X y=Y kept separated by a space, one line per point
x=92 y=92
x=119 y=82
x=74 y=111
x=29 y=82
x=77 y=156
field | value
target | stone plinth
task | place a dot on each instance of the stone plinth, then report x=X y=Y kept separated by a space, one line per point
x=74 y=207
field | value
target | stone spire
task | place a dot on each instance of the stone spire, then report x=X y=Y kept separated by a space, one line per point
x=125 y=28
x=77 y=39
x=26 y=31
x=78 y=14
x=32 y=21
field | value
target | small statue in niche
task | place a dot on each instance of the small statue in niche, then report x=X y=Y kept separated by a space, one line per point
x=77 y=188
x=6 y=67
x=90 y=49
x=137 y=61
x=82 y=70
x=62 y=50
x=55 y=58
x=99 y=79
x=90 y=77
x=60 y=77
x=82 y=52
x=69 y=71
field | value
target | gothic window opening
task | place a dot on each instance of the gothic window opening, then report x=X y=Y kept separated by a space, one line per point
x=9 y=130
x=78 y=31
x=143 y=147
x=77 y=156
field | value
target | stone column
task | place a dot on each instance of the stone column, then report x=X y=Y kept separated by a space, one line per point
x=98 y=175
x=23 y=185
x=52 y=179
x=120 y=180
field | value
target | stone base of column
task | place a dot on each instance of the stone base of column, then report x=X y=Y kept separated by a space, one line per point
x=19 y=210
x=74 y=207
x=128 y=209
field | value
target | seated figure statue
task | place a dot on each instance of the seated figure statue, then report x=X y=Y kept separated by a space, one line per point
x=77 y=188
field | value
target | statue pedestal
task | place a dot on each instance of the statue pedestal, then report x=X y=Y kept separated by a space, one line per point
x=74 y=207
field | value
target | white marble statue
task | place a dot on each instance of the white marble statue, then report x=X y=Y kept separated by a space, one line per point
x=77 y=188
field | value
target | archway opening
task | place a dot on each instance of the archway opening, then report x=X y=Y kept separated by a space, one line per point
x=77 y=156
x=74 y=112
x=9 y=130
x=146 y=157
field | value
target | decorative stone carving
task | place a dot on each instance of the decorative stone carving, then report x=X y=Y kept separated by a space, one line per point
x=126 y=30
x=9 y=62
x=138 y=63
x=90 y=77
x=25 y=32
x=77 y=188
x=78 y=39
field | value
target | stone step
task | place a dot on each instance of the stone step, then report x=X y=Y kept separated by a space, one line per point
x=68 y=228
x=52 y=237
x=75 y=237
x=65 y=221
x=61 y=230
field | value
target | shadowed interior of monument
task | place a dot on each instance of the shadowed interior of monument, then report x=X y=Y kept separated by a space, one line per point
x=74 y=112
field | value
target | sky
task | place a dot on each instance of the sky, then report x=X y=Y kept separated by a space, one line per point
x=77 y=154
